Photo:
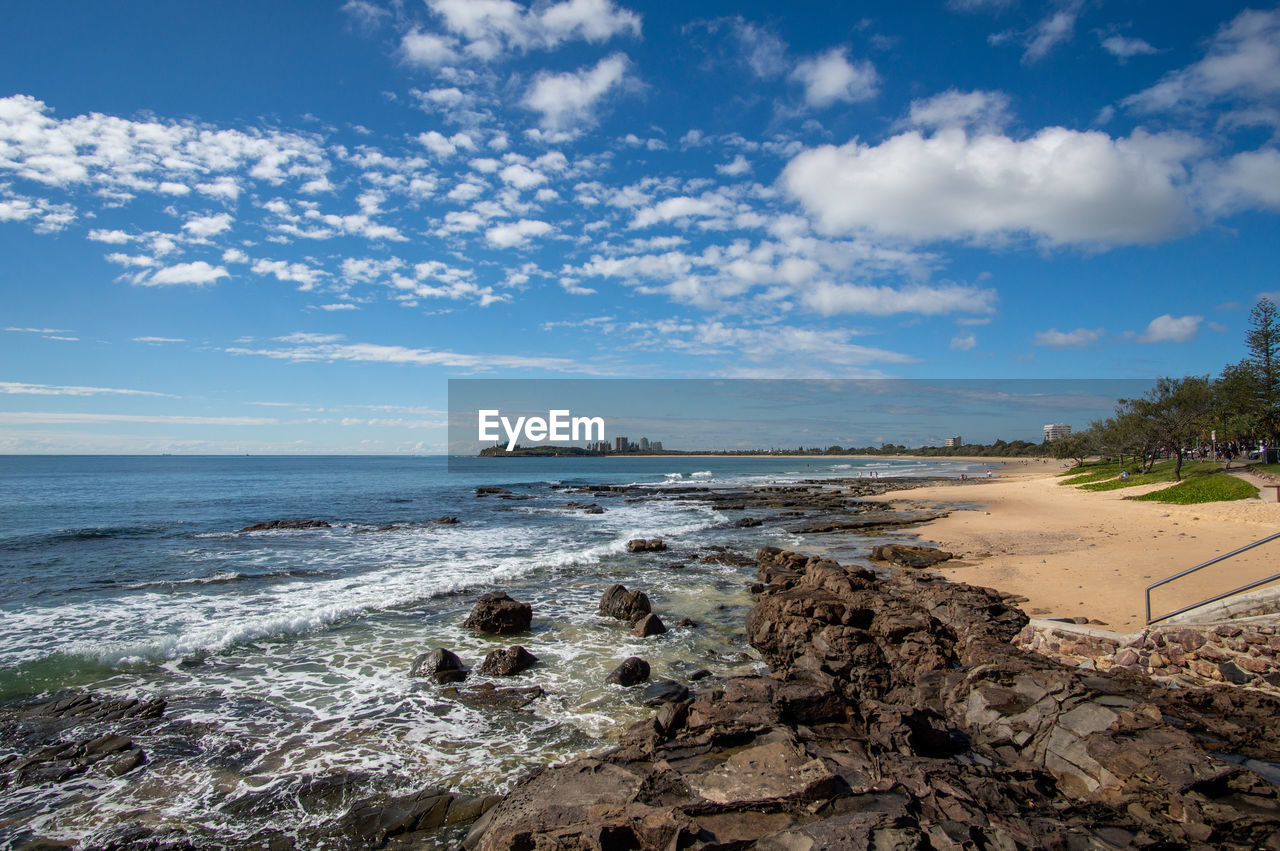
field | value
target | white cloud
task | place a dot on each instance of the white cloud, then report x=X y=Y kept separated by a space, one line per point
x=111 y=237
x=522 y=177
x=1243 y=61
x=1247 y=180
x=443 y=146
x=707 y=205
x=1058 y=27
x=737 y=168
x=339 y=306
x=197 y=273
x=234 y=255
x=980 y=110
x=1077 y=339
x=378 y=353
x=427 y=49
x=830 y=77
x=299 y=273
x=1171 y=329
x=828 y=298
x=568 y=100
x=158 y=340
x=366 y=270
x=963 y=342
x=485 y=29
x=1060 y=186
x=516 y=233
x=39 y=330
x=203 y=227
x=1124 y=48
x=20 y=388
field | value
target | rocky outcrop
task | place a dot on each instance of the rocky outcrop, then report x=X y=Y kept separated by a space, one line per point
x=282 y=525
x=497 y=614
x=506 y=663
x=646 y=545
x=632 y=670
x=898 y=714
x=906 y=555
x=618 y=602
x=440 y=665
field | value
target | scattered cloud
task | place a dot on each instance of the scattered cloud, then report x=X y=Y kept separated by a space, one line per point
x=1126 y=48
x=197 y=273
x=963 y=342
x=50 y=418
x=978 y=110
x=1171 y=329
x=830 y=78
x=158 y=340
x=1077 y=339
x=1054 y=29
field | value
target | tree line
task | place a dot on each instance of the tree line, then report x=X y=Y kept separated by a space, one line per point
x=1179 y=416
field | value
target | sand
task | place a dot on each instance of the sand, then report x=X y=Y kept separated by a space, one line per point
x=1076 y=553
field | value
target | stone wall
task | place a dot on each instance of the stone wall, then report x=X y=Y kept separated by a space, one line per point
x=1245 y=654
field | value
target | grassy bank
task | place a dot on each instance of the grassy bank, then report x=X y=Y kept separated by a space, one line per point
x=1215 y=487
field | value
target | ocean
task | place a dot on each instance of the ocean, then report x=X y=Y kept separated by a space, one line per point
x=284 y=654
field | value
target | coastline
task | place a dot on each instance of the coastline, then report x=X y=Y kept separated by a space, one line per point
x=1076 y=553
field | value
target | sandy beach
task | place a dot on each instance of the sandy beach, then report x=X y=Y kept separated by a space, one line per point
x=1078 y=553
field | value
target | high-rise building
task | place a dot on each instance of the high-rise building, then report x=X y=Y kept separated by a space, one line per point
x=621 y=444
x=1056 y=431
x=655 y=446
x=953 y=442
x=644 y=444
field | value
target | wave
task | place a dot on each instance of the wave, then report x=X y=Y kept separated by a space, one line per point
x=80 y=536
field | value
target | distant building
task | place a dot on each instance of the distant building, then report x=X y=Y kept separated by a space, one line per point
x=621 y=444
x=953 y=442
x=1056 y=431
x=655 y=446
x=644 y=444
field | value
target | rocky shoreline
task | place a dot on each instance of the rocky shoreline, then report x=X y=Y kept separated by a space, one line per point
x=898 y=713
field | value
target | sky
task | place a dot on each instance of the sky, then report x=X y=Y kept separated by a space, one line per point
x=282 y=227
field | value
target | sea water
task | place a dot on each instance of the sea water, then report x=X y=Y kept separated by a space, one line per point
x=284 y=655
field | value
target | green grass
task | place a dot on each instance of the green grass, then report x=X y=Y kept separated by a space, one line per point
x=1090 y=467
x=1096 y=475
x=1161 y=472
x=1212 y=487
x=1274 y=469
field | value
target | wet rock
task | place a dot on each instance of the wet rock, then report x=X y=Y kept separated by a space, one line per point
x=748 y=522
x=593 y=509
x=618 y=602
x=906 y=555
x=632 y=670
x=664 y=691
x=489 y=696
x=372 y=822
x=440 y=665
x=643 y=545
x=497 y=614
x=280 y=525
x=505 y=663
x=686 y=622
x=447 y=520
x=647 y=625
x=492 y=492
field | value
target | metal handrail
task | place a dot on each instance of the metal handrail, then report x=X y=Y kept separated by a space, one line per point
x=1191 y=570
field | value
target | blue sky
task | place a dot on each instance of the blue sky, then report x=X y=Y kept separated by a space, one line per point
x=280 y=227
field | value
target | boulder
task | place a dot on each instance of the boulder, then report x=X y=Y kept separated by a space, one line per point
x=664 y=691
x=504 y=663
x=646 y=545
x=647 y=625
x=489 y=696
x=497 y=614
x=906 y=555
x=447 y=520
x=632 y=670
x=618 y=602
x=440 y=665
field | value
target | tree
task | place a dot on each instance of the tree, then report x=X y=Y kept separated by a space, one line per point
x=1263 y=343
x=1177 y=411
x=1075 y=446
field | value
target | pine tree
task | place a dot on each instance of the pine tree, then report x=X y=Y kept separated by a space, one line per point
x=1263 y=342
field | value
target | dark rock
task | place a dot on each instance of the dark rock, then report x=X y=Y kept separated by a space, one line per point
x=492 y=492
x=497 y=614
x=504 y=663
x=593 y=509
x=618 y=602
x=686 y=622
x=647 y=625
x=632 y=670
x=905 y=555
x=440 y=665
x=447 y=520
x=489 y=696
x=1231 y=673
x=664 y=691
x=642 y=545
x=699 y=674
x=748 y=522
x=279 y=525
